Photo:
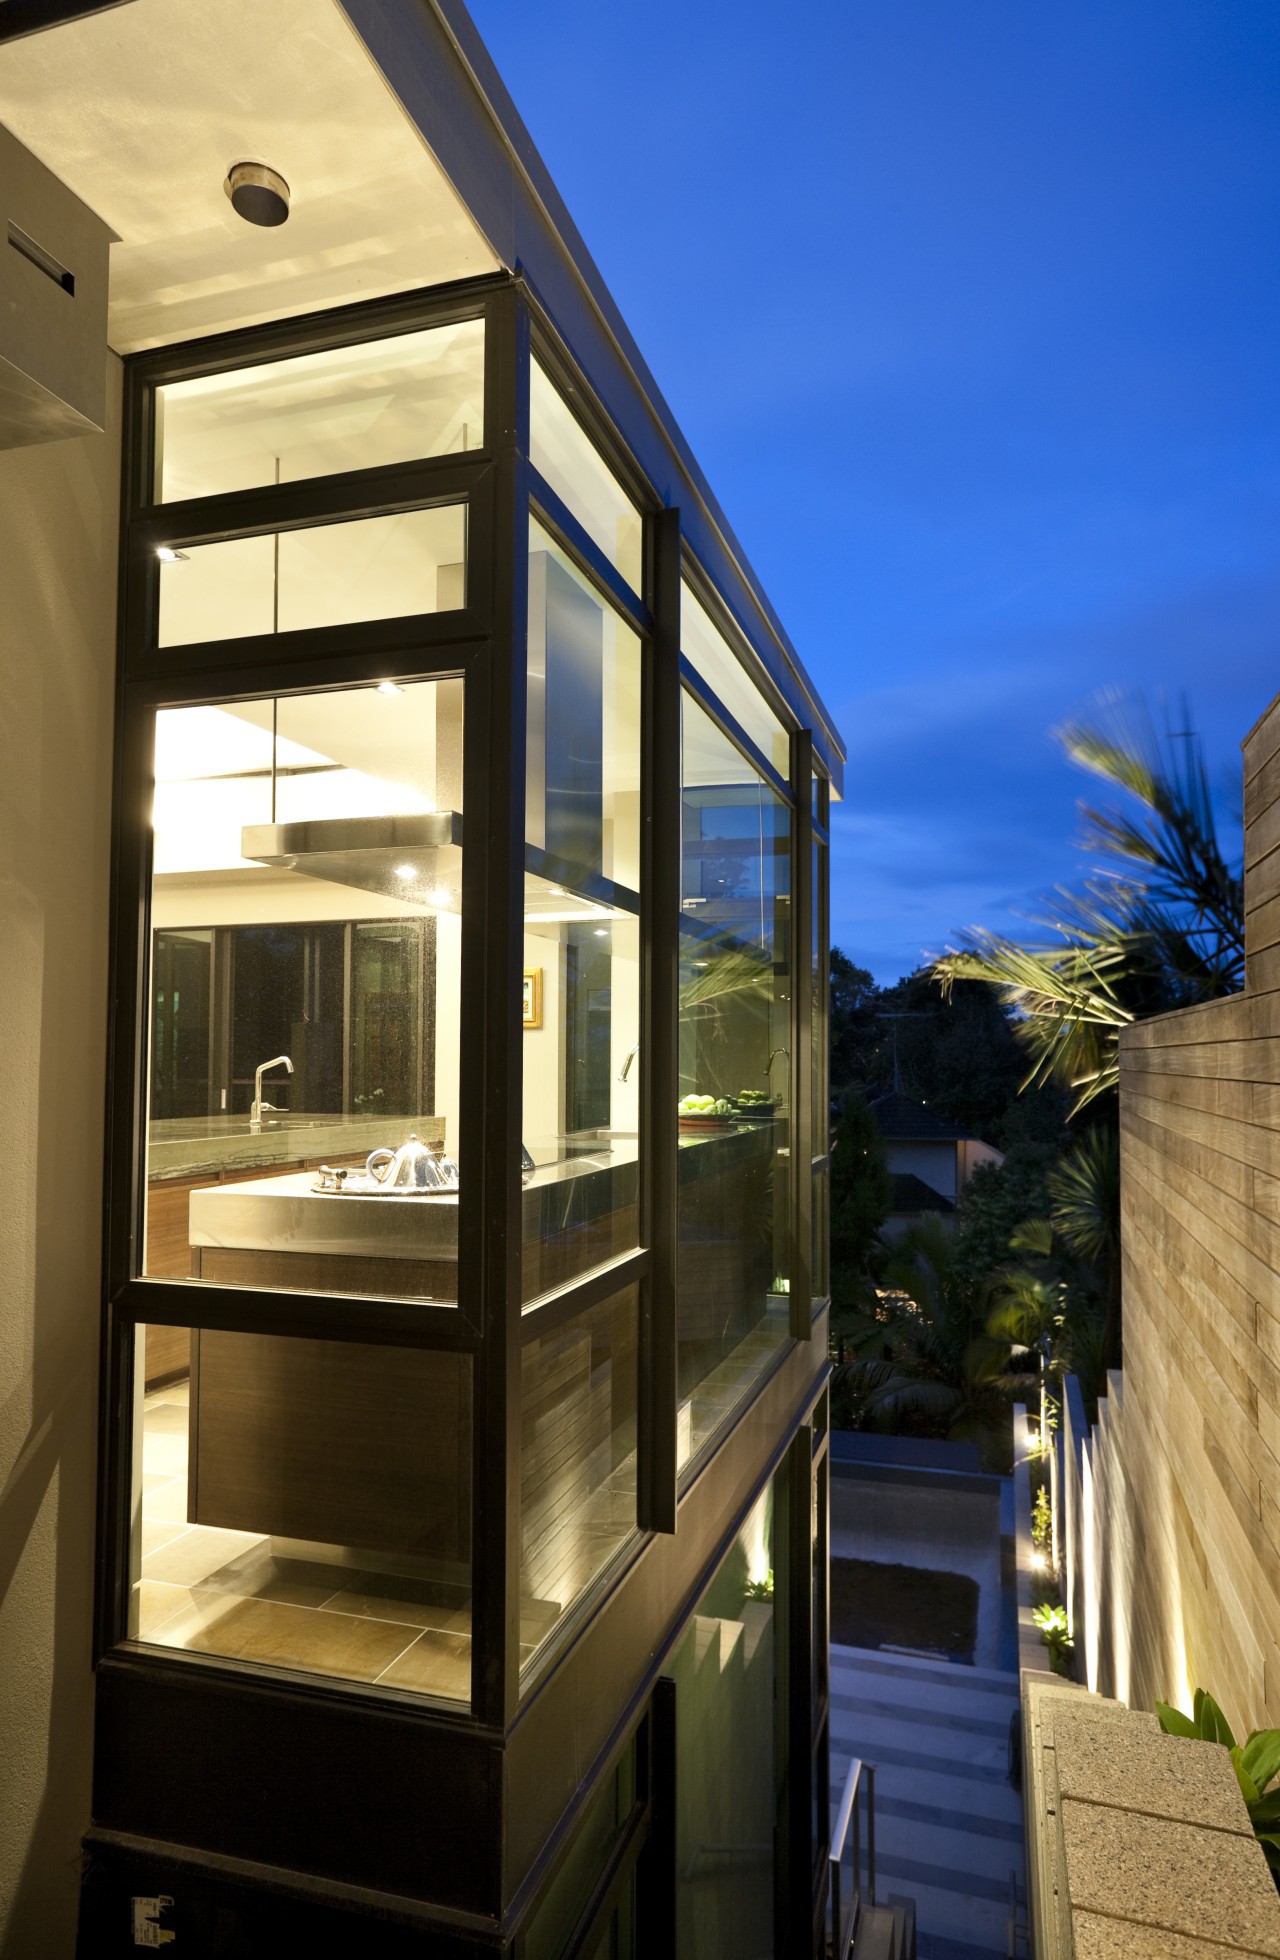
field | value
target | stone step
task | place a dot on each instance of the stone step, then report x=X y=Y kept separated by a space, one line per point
x=879 y=1934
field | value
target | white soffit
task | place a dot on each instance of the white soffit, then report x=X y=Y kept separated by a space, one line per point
x=141 y=111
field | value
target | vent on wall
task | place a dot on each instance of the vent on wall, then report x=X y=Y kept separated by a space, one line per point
x=53 y=305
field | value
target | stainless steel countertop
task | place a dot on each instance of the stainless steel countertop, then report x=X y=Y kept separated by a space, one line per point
x=285 y=1214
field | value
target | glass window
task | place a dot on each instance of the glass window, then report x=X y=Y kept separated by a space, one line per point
x=556 y=1925
x=577 y=1456
x=726 y=1777
x=734 y=1255
x=304 y=1505
x=560 y=451
x=702 y=643
x=328 y=575
x=582 y=926
x=348 y=408
x=820 y=1229
x=306 y=988
x=819 y=1016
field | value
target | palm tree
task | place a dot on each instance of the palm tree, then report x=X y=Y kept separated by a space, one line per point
x=1159 y=925
x=1084 y=1198
x=1039 y=1308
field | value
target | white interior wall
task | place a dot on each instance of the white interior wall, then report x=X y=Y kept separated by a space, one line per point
x=58 y=545
x=542 y=1120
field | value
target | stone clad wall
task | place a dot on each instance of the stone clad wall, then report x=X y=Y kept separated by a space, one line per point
x=1177 y=1504
x=1139 y=1846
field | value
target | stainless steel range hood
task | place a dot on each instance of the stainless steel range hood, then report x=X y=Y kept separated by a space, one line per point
x=405 y=857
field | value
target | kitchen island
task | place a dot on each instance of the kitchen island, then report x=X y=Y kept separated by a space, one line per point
x=370 y=1446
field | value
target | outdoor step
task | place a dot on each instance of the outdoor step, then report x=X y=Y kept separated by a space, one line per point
x=877 y=1660
x=878 y=1934
x=907 y=1909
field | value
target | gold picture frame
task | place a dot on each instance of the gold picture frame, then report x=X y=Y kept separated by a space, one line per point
x=531 y=997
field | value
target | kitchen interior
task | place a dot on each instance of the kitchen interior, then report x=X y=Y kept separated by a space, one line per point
x=307 y=1503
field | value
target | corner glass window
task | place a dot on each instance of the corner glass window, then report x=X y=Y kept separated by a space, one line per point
x=706 y=647
x=326 y=575
x=581 y=980
x=304 y=1505
x=348 y=408
x=560 y=451
x=305 y=992
x=734 y=1252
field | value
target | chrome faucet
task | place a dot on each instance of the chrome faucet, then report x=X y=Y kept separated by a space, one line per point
x=631 y=1054
x=257 y=1106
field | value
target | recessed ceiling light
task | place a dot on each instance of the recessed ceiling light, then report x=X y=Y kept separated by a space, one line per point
x=602 y=932
x=258 y=193
x=439 y=895
x=168 y=556
x=389 y=687
x=407 y=872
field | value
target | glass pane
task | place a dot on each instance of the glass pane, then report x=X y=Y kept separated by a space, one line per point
x=349 y=408
x=561 y=452
x=820 y=1228
x=577 y=1456
x=305 y=1505
x=329 y=575
x=582 y=927
x=734 y=1257
x=726 y=1804
x=306 y=987
x=618 y=1941
x=702 y=643
x=555 y=1926
x=821 y=1090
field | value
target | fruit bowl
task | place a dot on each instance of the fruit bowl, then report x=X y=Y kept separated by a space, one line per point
x=705 y=1112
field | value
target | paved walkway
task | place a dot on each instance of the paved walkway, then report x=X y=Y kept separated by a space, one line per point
x=948 y=1821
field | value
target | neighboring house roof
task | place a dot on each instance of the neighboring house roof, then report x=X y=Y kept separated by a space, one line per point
x=911 y=1193
x=903 y=1119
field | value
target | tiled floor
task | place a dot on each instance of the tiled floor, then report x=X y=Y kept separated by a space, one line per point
x=229 y=1593
x=233 y=1594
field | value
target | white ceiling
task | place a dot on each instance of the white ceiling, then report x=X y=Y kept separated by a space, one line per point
x=142 y=110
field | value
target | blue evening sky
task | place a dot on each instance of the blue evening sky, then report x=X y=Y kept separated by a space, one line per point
x=970 y=310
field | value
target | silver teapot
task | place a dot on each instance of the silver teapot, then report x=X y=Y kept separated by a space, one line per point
x=413 y=1167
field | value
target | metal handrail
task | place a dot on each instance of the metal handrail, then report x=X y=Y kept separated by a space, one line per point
x=844 y=1911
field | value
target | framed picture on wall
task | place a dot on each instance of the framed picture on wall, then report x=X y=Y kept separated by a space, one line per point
x=531 y=1013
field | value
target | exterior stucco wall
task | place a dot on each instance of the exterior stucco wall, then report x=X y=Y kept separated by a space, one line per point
x=1176 y=1539
x=933 y=1163
x=58 y=537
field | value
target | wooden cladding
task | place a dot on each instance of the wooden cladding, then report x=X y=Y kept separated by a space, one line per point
x=1185 y=1475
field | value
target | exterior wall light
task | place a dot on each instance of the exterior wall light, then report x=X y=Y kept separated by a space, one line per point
x=258 y=194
